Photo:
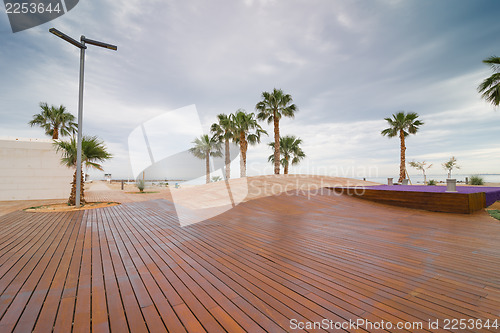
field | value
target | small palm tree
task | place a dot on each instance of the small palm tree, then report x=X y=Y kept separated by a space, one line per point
x=289 y=150
x=93 y=152
x=216 y=179
x=490 y=87
x=204 y=147
x=246 y=131
x=272 y=108
x=402 y=124
x=55 y=121
x=450 y=165
x=421 y=166
x=223 y=131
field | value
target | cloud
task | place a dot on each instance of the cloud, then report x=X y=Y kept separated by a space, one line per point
x=347 y=66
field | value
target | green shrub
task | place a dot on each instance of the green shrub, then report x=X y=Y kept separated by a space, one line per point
x=140 y=185
x=476 y=180
x=495 y=213
x=432 y=182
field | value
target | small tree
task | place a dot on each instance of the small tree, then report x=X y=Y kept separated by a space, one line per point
x=55 y=121
x=290 y=150
x=140 y=185
x=274 y=106
x=450 y=165
x=216 y=179
x=421 y=166
x=204 y=147
x=402 y=124
x=246 y=132
x=94 y=151
x=222 y=132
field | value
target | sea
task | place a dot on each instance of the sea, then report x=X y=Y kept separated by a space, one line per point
x=415 y=179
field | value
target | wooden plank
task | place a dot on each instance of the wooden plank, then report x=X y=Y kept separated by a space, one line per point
x=462 y=203
x=297 y=255
x=25 y=283
x=182 y=286
x=39 y=298
x=99 y=306
x=46 y=319
x=65 y=313
x=116 y=312
x=131 y=307
x=82 y=316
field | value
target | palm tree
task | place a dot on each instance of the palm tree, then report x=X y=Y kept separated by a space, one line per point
x=223 y=131
x=244 y=123
x=289 y=149
x=402 y=124
x=55 y=121
x=204 y=147
x=490 y=87
x=93 y=152
x=273 y=106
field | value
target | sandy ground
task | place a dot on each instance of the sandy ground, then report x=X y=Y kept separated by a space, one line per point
x=218 y=194
x=63 y=207
x=199 y=196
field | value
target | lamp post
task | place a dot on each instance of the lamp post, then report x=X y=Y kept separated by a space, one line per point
x=82 y=47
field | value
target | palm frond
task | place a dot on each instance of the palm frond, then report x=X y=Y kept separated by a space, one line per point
x=401 y=122
x=289 y=150
x=275 y=104
x=53 y=119
x=490 y=87
x=246 y=124
x=93 y=152
x=205 y=146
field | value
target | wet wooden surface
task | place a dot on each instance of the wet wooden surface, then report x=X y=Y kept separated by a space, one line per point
x=460 y=203
x=252 y=269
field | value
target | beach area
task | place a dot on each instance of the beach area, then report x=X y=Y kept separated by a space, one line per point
x=287 y=247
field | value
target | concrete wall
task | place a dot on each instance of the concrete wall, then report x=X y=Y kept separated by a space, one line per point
x=30 y=169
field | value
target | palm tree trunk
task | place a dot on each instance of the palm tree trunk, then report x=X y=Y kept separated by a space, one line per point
x=243 y=155
x=402 y=166
x=207 y=166
x=286 y=165
x=55 y=133
x=82 y=189
x=228 y=160
x=72 y=196
x=276 y=144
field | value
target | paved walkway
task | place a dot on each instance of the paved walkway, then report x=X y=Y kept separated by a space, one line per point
x=268 y=261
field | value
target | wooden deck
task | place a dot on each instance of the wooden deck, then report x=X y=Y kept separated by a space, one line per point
x=461 y=203
x=252 y=269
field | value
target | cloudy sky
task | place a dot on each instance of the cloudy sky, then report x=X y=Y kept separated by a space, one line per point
x=347 y=64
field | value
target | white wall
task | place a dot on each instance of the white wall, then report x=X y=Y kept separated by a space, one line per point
x=30 y=169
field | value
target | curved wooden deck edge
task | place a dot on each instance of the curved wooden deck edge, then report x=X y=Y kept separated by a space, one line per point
x=460 y=203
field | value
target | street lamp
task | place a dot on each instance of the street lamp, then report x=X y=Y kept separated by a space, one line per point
x=82 y=47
